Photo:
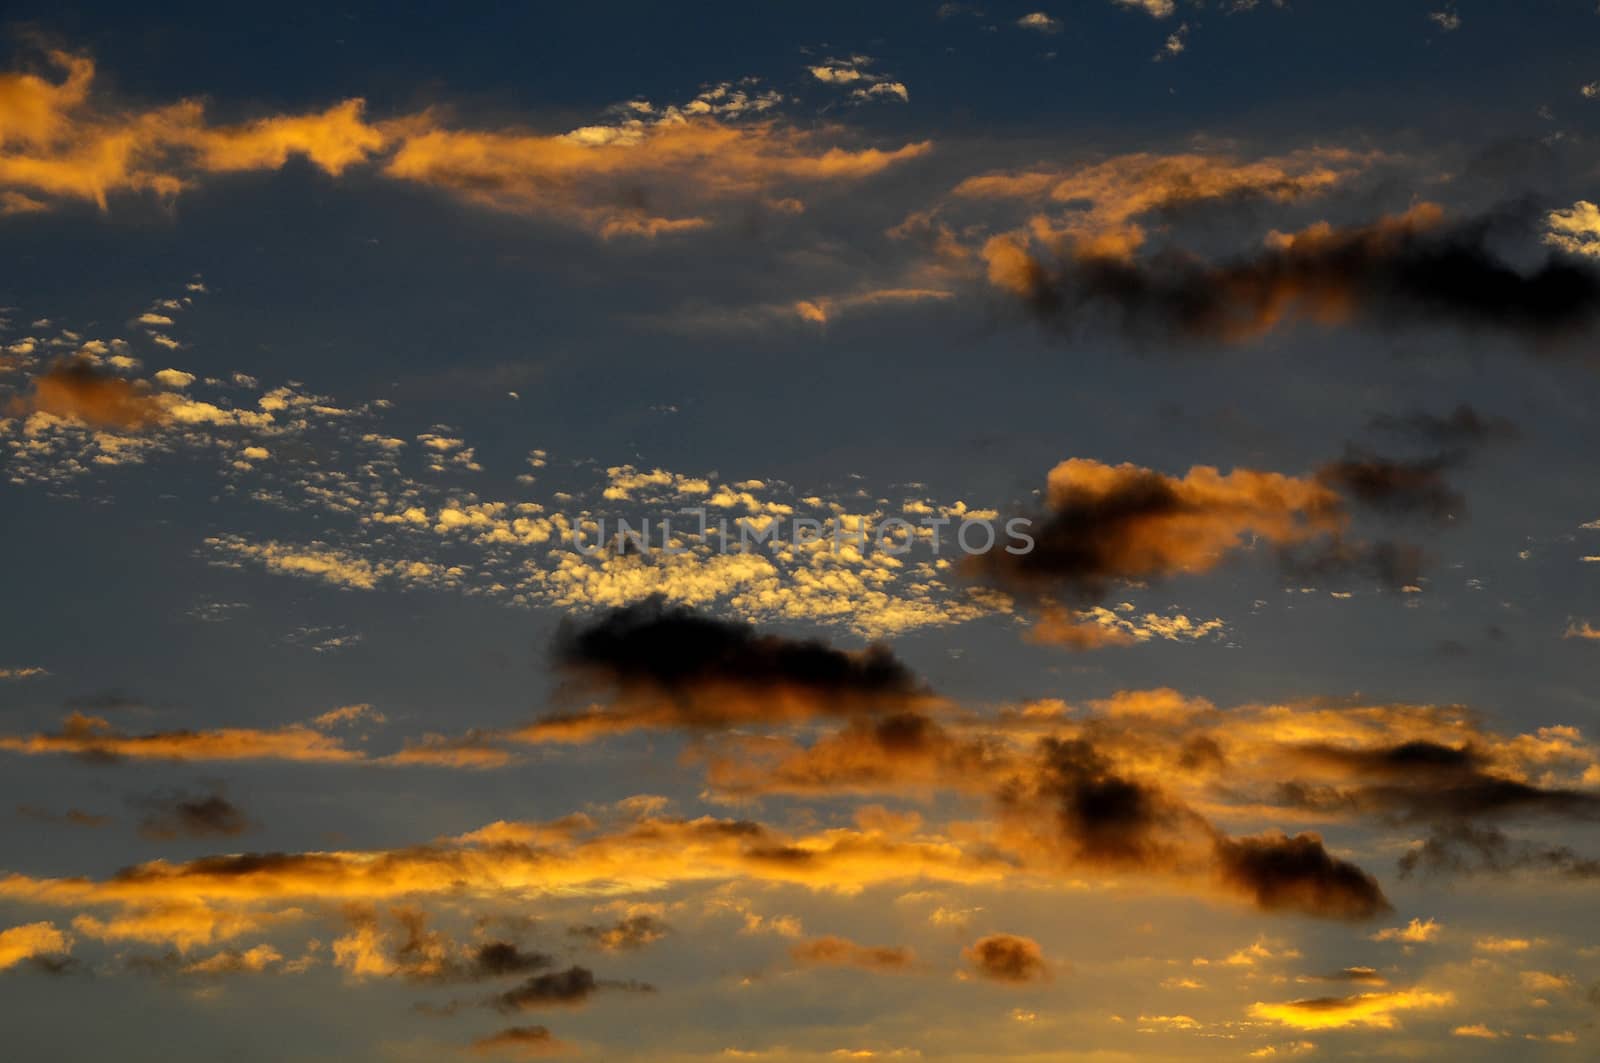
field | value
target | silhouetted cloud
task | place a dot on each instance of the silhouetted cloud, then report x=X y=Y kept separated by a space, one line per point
x=1299 y=874
x=1462 y=427
x=666 y=666
x=1414 y=268
x=1009 y=958
x=626 y=934
x=172 y=814
x=1103 y=524
x=1464 y=849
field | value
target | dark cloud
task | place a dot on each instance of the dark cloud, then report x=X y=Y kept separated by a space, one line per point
x=75 y=817
x=626 y=934
x=114 y=700
x=1391 y=563
x=1107 y=524
x=1430 y=782
x=1461 y=428
x=497 y=959
x=665 y=665
x=1403 y=270
x=1104 y=817
x=1008 y=958
x=55 y=964
x=568 y=988
x=79 y=391
x=1397 y=487
x=1298 y=874
x=1463 y=849
x=173 y=814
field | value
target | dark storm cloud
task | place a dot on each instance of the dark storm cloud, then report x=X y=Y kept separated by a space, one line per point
x=1463 y=849
x=1298 y=873
x=173 y=814
x=1405 y=270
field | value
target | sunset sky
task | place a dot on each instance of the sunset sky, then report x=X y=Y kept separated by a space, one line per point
x=337 y=723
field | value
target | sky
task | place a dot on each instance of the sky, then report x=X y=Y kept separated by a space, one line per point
x=800 y=532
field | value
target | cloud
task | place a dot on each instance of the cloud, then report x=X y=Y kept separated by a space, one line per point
x=197 y=901
x=1103 y=524
x=173 y=814
x=31 y=941
x=651 y=171
x=1462 y=428
x=94 y=738
x=841 y=952
x=1584 y=629
x=1415 y=932
x=77 y=391
x=1430 y=781
x=59 y=142
x=685 y=165
x=1099 y=627
x=1464 y=849
x=1007 y=958
x=1040 y=22
x=1299 y=874
x=1575 y=229
x=571 y=987
x=1374 y=1010
x=1153 y=8
x=1105 y=206
x=520 y=1041
x=667 y=666
x=627 y=934
x=1402 y=488
x=1405 y=269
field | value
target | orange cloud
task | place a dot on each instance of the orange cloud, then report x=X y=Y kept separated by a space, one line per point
x=24 y=942
x=842 y=952
x=59 y=141
x=1100 y=200
x=75 y=390
x=1105 y=523
x=521 y=1042
x=93 y=736
x=1008 y=958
